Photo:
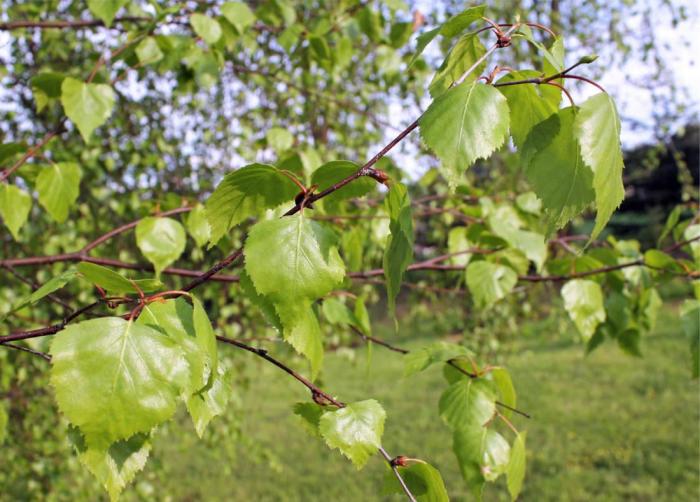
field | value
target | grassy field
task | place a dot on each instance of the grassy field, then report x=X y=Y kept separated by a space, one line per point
x=606 y=427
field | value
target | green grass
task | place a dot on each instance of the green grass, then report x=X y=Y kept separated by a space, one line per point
x=606 y=427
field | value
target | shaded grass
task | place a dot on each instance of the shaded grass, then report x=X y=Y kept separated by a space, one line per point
x=605 y=427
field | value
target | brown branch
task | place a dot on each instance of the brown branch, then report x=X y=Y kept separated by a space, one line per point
x=318 y=396
x=73 y=24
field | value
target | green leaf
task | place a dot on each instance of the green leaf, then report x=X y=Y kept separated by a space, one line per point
x=527 y=106
x=204 y=406
x=197 y=225
x=53 y=284
x=554 y=168
x=437 y=352
x=530 y=243
x=244 y=193
x=59 y=186
x=671 y=223
x=267 y=308
x=114 y=378
x=355 y=430
x=332 y=172
x=279 y=139
x=45 y=87
x=597 y=128
x=206 y=341
x=113 y=282
x=423 y=480
x=583 y=300
x=307 y=267
x=336 y=312
x=460 y=22
x=106 y=9
x=489 y=282
x=87 y=105
x=148 y=51
x=398 y=252
x=206 y=27
x=463 y=56
x=161 y=240
x=238 y=14
x=467 y=402
x=504 y=386
x=554 y=56
x=422 y=42
x=693 y=232
x=15 y=205
x=483 y=455
x=516 y=466
x=310 y=414
x=115 y=466
x=9 y=150
x=466 y=123
x=529 y=203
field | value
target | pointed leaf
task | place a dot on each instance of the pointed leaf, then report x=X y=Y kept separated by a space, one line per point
x=244 y=193
x=466 y=123
x=583 y=300
x=53 y=284
x=310 y=414
x=114 y=378
x=516 y=466
x=115 y=466
x=113 y=282
x=554 y=168
x=437 y=352
x=355 y=430
x=483 y=455
x=333 y=172
x=15 y=205
x=59 y=186
x=597 y=128
x=423 y=480
x=87 y=105
x=106 y=9
x=238 y=14
x=206 y=27
x=489 y=282
x=466 y=402
x=161 y=240
x=398 y=253
x=463 y=56
x=204 y=406
x=198 y=226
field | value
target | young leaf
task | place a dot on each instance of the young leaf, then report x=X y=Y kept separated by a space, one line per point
x=204 y=406
x=554 y=168
x=450 y=28
x=161 y=240
x=423 y=480
x=527 y=106
x=307 y=267
x=583 y=300
x=113 y=282
x=333 y=172
x=398 y=253
x=114 y=378
x=87 y=105
x=355 y=430
x=515 y=473
x=489 y=282
x=336 y=312
x=597 y=128
x=463 y=56
x=206 y=27
x=467 y=402
x=53 y=284
x=466 y=123
x=279 y=139
x=483 y=455
x=238 y=14
x=267 y=308
x=530 y=243
x=198 y=226
x=506 y=390
x=437 y=352
x=59 y=186
x=15 y=205
x=148 y=51
x=115 y=466
x=206 y=341
x=310 y=414
x=246 y=192
x=106 y=9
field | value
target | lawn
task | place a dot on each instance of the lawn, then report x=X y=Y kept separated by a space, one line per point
x=603 y=427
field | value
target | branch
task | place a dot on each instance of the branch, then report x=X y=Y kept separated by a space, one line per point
x=317 y=394
x=77 y=24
